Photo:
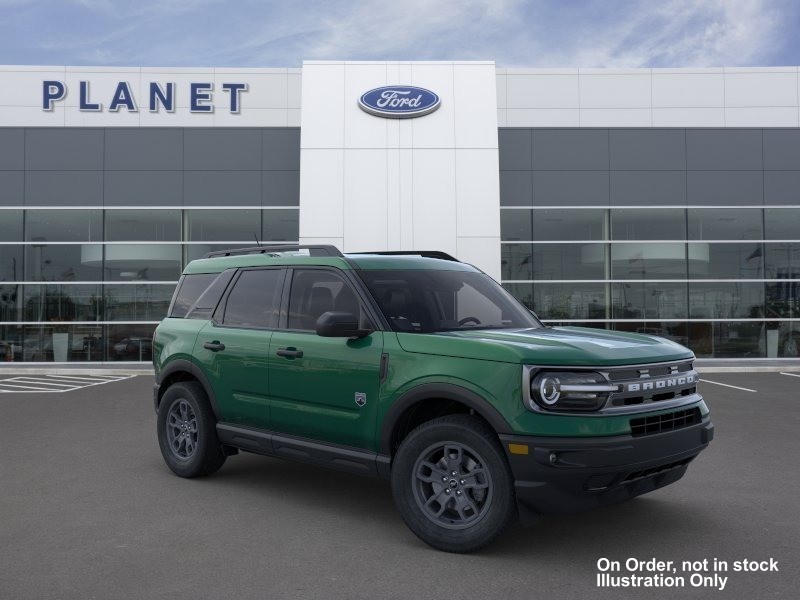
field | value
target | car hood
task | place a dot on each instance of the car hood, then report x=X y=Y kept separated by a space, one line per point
x=547 y=346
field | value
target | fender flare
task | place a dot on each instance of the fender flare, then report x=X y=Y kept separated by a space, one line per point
x=446 y=391
x=187 y=366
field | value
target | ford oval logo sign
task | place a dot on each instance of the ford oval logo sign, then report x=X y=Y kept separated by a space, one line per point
x=399 y=101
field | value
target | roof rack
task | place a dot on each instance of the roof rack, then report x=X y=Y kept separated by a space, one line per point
x=423 y=253
x=313 y=250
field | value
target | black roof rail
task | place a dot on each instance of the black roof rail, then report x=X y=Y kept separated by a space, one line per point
x=313 y=250
x=423 y=253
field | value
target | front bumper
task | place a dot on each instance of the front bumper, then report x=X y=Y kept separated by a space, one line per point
x=564 y=475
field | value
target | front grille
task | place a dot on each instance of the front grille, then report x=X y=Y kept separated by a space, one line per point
x=666 y=422
x=658 y=370
x=652 y=383
x=636 y=475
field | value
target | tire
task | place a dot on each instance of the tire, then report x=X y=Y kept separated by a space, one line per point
x=187 y=433
x=480 y=502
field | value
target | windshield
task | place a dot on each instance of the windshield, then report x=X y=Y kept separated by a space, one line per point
x=429 y=301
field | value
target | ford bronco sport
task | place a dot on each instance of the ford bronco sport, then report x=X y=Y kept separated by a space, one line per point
x=421 y=369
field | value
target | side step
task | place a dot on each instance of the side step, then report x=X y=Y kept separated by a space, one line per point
x=341 y=458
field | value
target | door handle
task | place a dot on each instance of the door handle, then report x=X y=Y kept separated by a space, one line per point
x=214 y=346
x=290 y=352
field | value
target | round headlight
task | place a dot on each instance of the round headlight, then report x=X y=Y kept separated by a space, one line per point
x=549 y=390
x=570 y=390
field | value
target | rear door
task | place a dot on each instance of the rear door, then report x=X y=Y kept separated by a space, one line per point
x=233 y=347
x=324 y=388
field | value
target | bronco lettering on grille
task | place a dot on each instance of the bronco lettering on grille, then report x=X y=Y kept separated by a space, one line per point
x=661 y=384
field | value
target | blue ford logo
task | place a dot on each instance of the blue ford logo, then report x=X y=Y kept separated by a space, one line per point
x=399 y=101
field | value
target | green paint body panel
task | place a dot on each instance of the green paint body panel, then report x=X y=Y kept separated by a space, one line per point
x=314 y=396
x=239 y=375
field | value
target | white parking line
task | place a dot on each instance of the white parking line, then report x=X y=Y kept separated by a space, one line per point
x=55 y=383
x=29 y=388
x=736 y=387
x=40 y=382
x=790 y=374
x=81 y=380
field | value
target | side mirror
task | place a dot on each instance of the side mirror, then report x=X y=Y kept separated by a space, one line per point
x=340 y=324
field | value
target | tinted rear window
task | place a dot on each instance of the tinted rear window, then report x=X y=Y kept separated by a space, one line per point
x=254 y=299
x=189 y=290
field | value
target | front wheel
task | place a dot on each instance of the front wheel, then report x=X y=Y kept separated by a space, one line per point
x=452 y=484
x=187 y=431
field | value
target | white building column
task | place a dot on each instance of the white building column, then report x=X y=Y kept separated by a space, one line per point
x=425 y=183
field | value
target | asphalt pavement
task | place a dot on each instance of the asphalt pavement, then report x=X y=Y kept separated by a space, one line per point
x=89 y=510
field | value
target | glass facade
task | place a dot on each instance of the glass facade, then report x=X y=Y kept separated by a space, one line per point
x=96 y=225
x=692 y=234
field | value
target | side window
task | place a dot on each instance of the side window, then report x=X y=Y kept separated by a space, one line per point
x=318 y=291
x=254 y=299
x=189 y=291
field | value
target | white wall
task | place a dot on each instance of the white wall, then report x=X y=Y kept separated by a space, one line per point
x=426 y=183
x=272 y=98
x=719 y=97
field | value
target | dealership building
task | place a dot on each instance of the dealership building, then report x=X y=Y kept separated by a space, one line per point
x=659 y=201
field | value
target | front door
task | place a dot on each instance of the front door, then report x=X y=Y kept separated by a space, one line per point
x=324 y=388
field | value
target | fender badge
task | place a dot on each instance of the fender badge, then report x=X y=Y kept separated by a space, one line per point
x=361 y=398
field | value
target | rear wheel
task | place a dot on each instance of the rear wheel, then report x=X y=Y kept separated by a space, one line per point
x=187 y=433
x=452 y=484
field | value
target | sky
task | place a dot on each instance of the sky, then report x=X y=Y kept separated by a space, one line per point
x=279 y=33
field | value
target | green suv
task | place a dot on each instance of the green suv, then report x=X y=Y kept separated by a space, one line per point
x=418 y=368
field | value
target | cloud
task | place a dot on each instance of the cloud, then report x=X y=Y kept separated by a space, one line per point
x=683 y=33
x=590 y=33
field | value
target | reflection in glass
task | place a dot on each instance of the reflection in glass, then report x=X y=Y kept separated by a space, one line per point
x=654 y=260
x=281 y=225
x=516 y=225
x=63 y=343
x=10 y=225
x=648 y=300
x=782 y=223
x=130 y=342
x=56 y=262
x=553 y=261
x=783 y=339
x=568 y=301
x=140 y=302
x=522 y=292
x=10 y=302
x=729 y=261
x=728 y=339
x=10 y=263
x=63 y=303
x=63 y=226
x=223 y=225
x=648 y=224
x=140 y=262
x=143 y=225
x=10 y=343
x=562 y=225
x=725 y=224
x=726 y=300
x=783 y=264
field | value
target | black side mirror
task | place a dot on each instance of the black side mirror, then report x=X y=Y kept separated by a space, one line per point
x=340 y=324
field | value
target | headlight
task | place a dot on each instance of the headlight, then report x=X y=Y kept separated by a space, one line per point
x=564 y=390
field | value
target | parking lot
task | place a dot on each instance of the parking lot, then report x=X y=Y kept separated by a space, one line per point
x=89 y=510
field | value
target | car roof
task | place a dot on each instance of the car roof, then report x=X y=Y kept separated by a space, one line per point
x=346 y=262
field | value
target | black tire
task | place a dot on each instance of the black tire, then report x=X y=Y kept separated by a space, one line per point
x=480 y=502
x=187 y=433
